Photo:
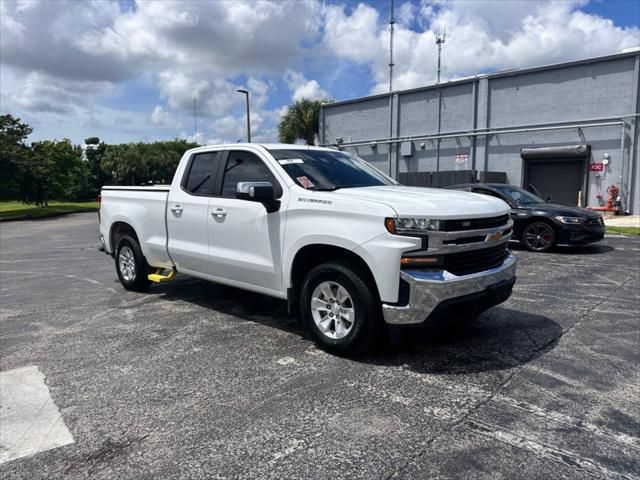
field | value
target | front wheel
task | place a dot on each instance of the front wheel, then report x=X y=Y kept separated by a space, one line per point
x=340 y=308
x=539 y=237
x=131 y=266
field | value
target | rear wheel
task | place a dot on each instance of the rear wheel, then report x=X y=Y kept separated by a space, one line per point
x=539 y=237
x=340 y=308
x=131 y=266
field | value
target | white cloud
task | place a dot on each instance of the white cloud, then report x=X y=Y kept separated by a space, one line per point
x=406 y=13
x=161 y=118
x=62 y=61
x=481 y=35
x=232 y=128
x=185 y=49
x=355 y=37
x=221 y=38
x=303 y=88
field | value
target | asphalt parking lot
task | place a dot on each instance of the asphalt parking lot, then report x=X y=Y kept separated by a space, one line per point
x=196 y=380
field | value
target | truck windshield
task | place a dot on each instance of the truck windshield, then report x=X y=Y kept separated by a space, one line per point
x=518 y=195
x=329 y=169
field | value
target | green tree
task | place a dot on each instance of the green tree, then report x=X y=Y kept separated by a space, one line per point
x=301 y=120
x=94 y=153
x=55 y=171
x=138 y=163
x=13 y=154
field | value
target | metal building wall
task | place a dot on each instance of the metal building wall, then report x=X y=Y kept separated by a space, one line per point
x=600 y=94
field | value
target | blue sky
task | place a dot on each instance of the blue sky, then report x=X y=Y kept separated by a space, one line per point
x=127 y=71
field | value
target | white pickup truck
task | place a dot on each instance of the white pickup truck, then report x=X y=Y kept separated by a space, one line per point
x=349 y=248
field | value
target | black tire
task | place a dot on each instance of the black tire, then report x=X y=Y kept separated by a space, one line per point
x=538 y=237
x=139 y=281
x=367 y=328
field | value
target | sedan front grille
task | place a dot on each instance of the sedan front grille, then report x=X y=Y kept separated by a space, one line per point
x=598 y=221
x=473 y=261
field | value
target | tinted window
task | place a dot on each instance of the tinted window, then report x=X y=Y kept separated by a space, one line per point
x=201 y=174
x=329 y=169
x=487 y=192
x=246 y=167
x=518 y=195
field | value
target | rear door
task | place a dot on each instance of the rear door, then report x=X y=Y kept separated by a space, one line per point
x=188 y=213
x=245 y=242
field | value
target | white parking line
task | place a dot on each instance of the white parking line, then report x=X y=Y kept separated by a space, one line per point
x=29 y=420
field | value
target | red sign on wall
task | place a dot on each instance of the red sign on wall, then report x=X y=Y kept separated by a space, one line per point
x=596 y=167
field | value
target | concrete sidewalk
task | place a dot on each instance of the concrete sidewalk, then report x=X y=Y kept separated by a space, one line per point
x=622 y=221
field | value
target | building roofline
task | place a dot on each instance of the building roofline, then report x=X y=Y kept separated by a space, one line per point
x=504 y=73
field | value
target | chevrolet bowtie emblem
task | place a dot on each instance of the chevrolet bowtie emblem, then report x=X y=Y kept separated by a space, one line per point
x=495 y=236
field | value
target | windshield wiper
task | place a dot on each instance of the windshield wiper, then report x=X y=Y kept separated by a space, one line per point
x=335 y=187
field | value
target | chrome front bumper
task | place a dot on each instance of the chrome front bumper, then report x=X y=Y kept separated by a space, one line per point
x=430 y=288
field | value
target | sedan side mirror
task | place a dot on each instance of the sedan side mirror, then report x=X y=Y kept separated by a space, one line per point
x=258 y=192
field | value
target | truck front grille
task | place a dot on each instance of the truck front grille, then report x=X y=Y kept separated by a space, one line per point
x=474 y=223
x=473 y=261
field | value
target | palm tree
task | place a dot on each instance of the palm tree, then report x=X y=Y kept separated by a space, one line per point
x=301 y=121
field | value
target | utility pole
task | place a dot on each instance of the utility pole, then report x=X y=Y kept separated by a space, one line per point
x=246 y=92
x=440 y=39
x=392 y=22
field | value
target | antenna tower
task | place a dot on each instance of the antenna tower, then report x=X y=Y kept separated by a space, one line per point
x=441 y=36
x=392 y=22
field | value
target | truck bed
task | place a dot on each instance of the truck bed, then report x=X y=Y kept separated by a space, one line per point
x=146 y=208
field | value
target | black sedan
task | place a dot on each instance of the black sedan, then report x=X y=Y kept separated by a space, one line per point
x=540 y=225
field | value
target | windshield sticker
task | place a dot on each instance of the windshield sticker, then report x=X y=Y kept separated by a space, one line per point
x=290 y=161
x=305 y=182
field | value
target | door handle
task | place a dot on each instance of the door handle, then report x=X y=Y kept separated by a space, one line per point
x=176 y=209
x=219 y=212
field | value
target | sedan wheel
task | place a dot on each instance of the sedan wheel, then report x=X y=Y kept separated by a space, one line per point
x=539 y=237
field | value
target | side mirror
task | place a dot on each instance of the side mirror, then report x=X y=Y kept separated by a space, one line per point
x=258 y=192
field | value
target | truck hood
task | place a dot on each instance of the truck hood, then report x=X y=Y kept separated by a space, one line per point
x=433 y=203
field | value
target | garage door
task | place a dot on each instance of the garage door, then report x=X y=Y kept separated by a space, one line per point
x=557 y=172
x=559 y=179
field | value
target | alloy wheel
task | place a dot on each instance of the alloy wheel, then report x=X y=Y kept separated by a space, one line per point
x=538 y=236
x=127 y=263
x=333 y=310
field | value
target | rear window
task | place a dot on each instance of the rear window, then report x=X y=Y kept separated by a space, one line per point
x=199 y=181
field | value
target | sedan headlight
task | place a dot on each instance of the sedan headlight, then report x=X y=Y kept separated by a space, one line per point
x=410 y=225
x=571 y=220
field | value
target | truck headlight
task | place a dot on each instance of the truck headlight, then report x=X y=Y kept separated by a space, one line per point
x=570 y=220
x=411 y=225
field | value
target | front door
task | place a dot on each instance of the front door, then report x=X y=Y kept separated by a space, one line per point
x=246 y=241
x=188 y=214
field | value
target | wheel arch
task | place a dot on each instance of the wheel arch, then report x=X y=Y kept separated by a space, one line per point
x=118 y=229
x=312 y=255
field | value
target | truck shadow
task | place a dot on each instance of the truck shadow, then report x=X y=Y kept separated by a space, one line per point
x=499 y=339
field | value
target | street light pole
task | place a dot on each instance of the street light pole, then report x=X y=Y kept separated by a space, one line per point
x=246 y=92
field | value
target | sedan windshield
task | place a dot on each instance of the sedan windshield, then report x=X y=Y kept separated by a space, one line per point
x=329 y=169
x=518 y=195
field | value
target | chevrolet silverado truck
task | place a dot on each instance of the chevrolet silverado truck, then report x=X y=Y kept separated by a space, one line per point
x=351 y=250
